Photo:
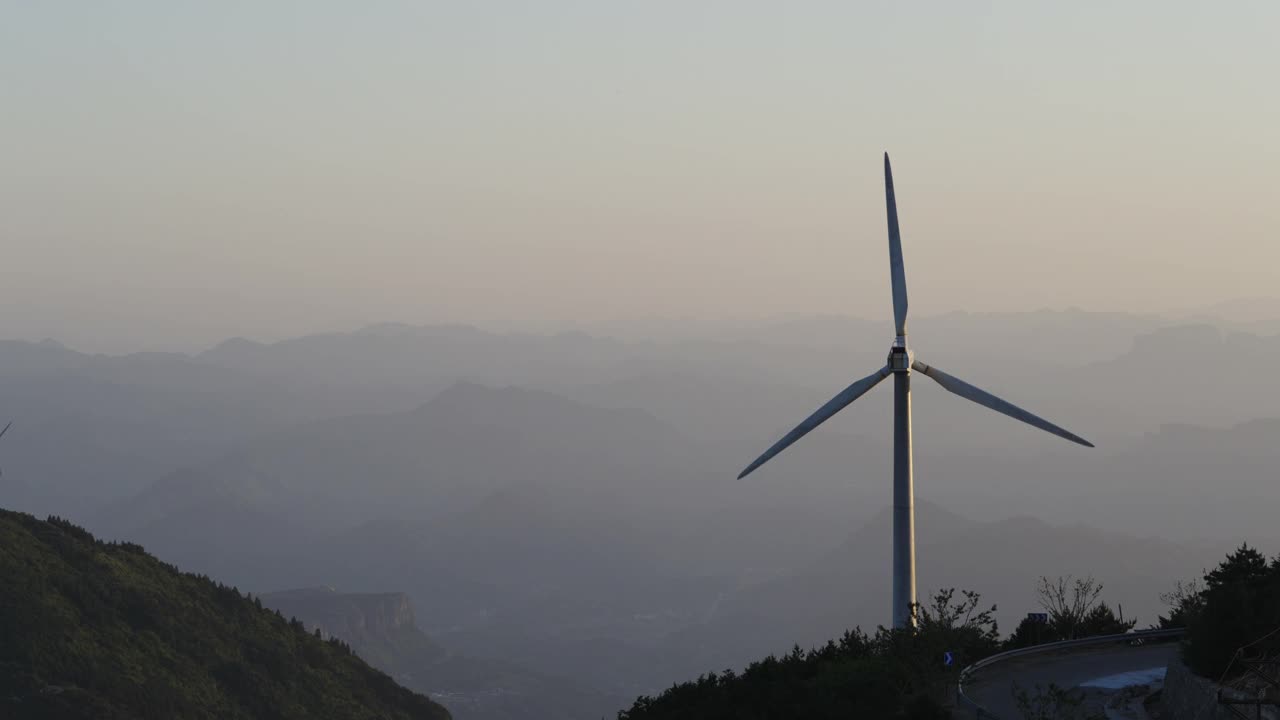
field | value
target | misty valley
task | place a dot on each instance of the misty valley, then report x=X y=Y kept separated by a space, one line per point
x=548 y=526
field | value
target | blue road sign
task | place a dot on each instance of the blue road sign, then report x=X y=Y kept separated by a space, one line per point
x=947 y=659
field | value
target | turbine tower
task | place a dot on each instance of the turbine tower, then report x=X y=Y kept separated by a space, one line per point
x=900 y=365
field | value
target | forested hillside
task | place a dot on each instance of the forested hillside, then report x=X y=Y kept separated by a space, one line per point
x=103 y=631
x=900 y=674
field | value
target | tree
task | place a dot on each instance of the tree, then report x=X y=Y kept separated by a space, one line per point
x=1185 y=600
x=1101 y=620
x=1068 y=603
x=1074 y=610
x=1031 y=632
x=956 y=626
x=897 y=674
x=1238 y=611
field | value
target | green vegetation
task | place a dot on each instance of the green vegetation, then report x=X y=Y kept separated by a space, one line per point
x=892 y=674
x=1234 y=614
x=105 y=631
x=1075 y=610
x=1054 y=703
x=896 y=674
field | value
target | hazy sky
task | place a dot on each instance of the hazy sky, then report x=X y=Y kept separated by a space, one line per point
x=175 y=172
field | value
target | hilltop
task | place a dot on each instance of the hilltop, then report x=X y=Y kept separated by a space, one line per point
x=104 y=631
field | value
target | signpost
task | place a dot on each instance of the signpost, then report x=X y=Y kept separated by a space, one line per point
x=1038 y=619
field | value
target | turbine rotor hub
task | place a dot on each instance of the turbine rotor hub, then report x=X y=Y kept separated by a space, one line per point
x=899 y=356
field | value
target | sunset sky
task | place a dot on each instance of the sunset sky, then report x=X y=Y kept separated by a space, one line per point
x=172 y=173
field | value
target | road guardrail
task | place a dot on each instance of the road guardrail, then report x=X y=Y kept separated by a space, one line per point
x=967 y=704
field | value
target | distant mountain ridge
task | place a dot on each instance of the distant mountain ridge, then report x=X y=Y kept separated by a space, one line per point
x=128 y=420
x=467 y=442
x=846 y=587
x=569 y=501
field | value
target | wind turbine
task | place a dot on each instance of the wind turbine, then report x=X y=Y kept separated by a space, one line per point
x=900 y=364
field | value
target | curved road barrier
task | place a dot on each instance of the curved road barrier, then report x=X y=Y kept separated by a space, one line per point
x=1067 y=663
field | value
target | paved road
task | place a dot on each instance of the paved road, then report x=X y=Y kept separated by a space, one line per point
x=992 y=687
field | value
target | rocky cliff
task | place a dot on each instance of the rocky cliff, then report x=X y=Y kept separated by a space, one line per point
x=1188 y=696
x=354 y=617
x=380 y=628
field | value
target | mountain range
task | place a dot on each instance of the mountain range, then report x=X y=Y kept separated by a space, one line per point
x=565 y=504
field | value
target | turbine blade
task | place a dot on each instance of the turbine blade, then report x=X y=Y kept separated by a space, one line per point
x=6 y=429
x=833 y=406
x=897 y=273
x=986 y=399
